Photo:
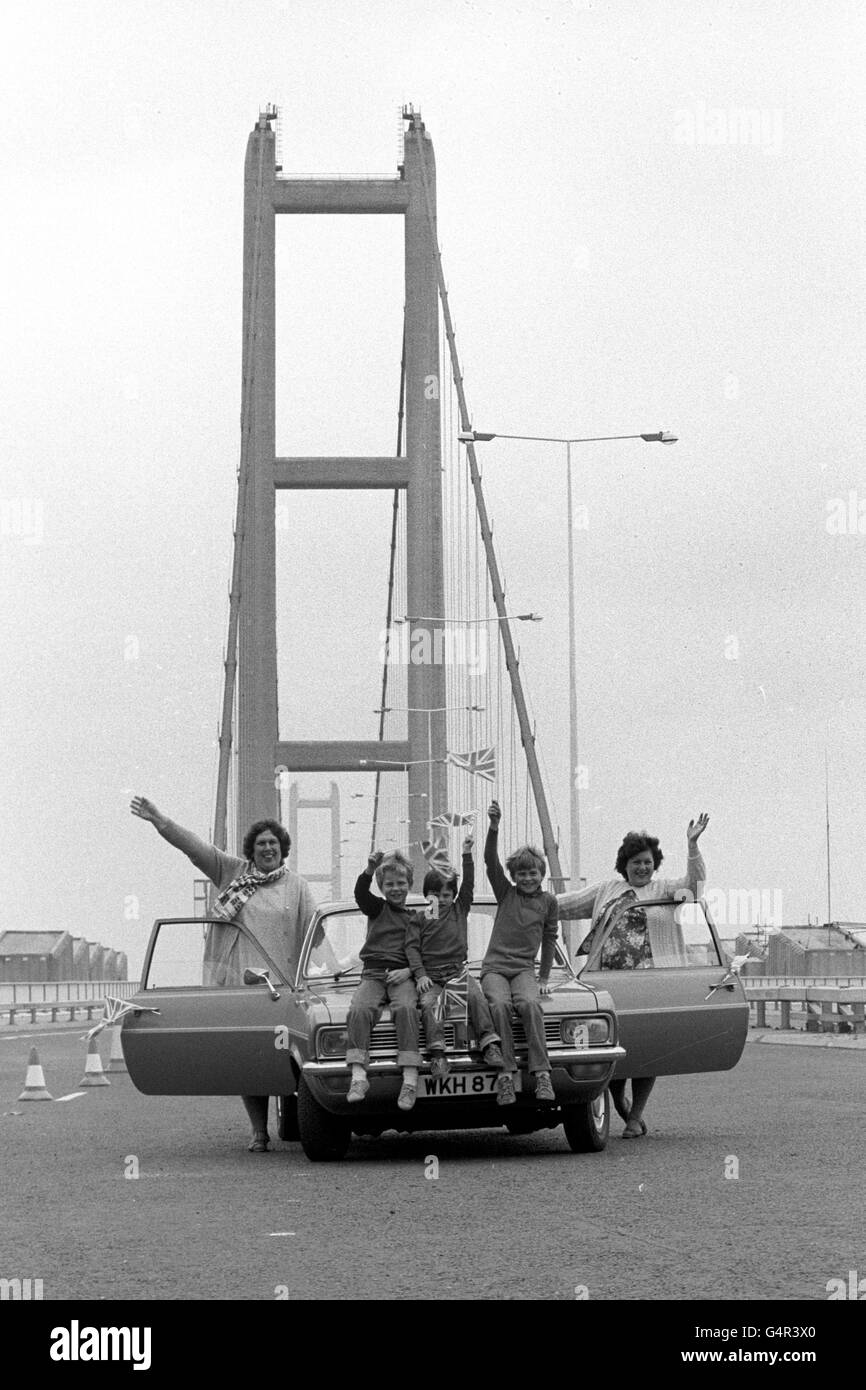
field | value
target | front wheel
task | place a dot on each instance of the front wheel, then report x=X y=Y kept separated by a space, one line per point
x=587 y=1126
x=324 y=1137
x=287 y=1118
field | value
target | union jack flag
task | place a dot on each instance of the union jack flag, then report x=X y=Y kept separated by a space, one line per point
x=480 y=761
x=113 y=1011
x=453 y=1002
x=451 y=818
x=436 y=853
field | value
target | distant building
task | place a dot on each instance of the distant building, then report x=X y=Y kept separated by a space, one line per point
x=80 y=958
x=839 y=948
x=35 y=955
x=97 y=960
x=56 y=955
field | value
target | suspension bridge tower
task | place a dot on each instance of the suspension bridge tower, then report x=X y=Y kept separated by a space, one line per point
x=251 y=659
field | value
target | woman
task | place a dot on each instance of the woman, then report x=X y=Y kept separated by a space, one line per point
x=258 y=892
x=619 y=928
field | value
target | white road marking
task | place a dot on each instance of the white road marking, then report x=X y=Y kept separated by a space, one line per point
x=73 y=1095
x=282 y=1233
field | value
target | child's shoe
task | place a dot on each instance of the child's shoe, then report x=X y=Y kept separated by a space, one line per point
x=505 y=1090
x=544 y=1087
x=439 y=1067
x=406 y=1098
x=492 y=1055
x=358 y=1090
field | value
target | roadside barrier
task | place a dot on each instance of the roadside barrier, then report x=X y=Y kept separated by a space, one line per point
x=828 y=1008
x=116 y=1059
x=94 y=1074
x=34 y=1081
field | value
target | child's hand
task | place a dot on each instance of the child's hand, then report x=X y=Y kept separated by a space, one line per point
x=396 y=977
x=375 y=860
x=469 y=844
x=494 y=811
x=545 y=988
x=424 y=984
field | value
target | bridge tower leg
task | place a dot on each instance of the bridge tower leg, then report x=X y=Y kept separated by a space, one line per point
x=260 y=750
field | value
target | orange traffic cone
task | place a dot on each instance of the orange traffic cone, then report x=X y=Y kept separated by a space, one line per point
x=93 y=1072
x=34 y=1082
x=116 y=1060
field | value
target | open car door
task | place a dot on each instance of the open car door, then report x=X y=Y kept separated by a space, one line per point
x=215 y=1015
x=680 y=1010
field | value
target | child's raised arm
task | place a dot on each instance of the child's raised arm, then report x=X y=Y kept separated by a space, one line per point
x=495 y=872
x=369 y=904
x=467 y=881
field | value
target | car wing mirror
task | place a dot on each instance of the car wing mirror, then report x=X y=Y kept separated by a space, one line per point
x=260 y=977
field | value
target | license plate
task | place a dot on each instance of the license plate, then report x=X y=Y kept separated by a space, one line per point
x=459 y=1083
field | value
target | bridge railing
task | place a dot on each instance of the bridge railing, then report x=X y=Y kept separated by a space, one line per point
x=60 y=991
x=826 y=1006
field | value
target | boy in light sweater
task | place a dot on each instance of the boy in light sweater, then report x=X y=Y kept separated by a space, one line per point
x=437 y=949
x=526 y=918
x=385 y=977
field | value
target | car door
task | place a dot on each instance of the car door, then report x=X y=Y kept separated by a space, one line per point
x=683 y=1011
x=200 y=1029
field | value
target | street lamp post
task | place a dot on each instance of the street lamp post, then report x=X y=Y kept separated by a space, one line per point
x=658 y=437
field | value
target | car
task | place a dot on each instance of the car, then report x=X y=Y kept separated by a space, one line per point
x=202 y=1029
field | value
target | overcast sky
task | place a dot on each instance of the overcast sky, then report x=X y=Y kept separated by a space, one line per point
x=650 y=217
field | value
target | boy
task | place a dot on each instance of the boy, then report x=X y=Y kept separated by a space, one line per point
x=526 y=917
x=436 y=950
x=385 y=977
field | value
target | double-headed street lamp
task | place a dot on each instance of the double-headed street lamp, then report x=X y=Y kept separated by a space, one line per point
x=659 y=437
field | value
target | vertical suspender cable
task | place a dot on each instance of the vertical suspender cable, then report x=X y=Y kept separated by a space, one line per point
x=389 y=615
x=551 y=848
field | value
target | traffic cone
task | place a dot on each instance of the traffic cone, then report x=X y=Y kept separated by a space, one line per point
x=34 y=1082
x=116 y=1059
x=93 y=1072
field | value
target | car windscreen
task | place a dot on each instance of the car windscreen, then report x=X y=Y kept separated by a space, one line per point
x=334 y=945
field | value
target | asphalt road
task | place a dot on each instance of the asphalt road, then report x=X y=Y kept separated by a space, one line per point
x=506 y=1218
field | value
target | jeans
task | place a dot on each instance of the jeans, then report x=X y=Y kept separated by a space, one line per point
x=522 y=991
x=366 y=1010
x=476 y=1007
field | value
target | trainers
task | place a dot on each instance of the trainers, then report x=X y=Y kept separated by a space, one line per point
x=492 y=1055
x=505 y=1090
x=439 y=1067
x=358 y=1090
x=406 y=1098
x=543 y=1087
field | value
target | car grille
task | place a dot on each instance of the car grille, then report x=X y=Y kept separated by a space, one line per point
x=384 y=1038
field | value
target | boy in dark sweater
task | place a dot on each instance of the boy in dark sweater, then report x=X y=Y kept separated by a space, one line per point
x=385 y=977
x=526 y=918
x=436 y=949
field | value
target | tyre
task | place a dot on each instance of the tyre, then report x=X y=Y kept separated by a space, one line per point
x=287 y=1117
x=587 y=1126
x=324 y=1137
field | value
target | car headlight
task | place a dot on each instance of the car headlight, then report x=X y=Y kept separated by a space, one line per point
x=331 y=1042
x=585 y=1032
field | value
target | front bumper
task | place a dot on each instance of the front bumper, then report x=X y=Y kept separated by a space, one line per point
x=577 y=1074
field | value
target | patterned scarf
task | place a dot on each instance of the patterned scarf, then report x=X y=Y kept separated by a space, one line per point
x=242 y=888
